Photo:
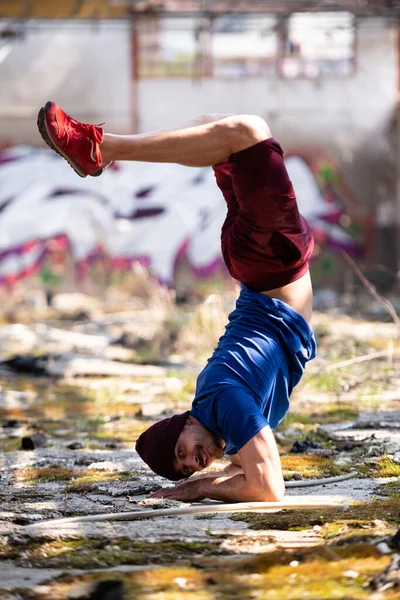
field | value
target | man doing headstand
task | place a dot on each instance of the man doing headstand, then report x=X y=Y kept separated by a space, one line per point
x=243 y=392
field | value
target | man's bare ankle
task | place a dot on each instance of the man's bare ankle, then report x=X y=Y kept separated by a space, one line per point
x=106 y=149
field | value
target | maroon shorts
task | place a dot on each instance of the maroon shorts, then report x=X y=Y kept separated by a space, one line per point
x=266 y=243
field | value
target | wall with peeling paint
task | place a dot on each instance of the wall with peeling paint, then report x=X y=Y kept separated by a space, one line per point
x=85 y=67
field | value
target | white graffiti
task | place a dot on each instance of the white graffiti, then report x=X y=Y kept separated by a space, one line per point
x=136 y=211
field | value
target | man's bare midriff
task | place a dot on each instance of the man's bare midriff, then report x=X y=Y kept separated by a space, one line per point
x=297 y=294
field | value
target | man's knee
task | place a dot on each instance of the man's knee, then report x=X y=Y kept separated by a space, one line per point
x=247 y=130
x=212 y=118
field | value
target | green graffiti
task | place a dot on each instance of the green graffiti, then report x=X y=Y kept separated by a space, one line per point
x=327 y=175
x=327 y=264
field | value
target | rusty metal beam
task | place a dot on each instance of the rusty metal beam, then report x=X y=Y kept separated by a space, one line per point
x=60 y=9
x=222 y=7
x=64 y=9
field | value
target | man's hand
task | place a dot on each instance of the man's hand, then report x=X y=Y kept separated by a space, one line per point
x=188 y=491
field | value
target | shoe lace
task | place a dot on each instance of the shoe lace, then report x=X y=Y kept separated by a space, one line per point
x=91 y=131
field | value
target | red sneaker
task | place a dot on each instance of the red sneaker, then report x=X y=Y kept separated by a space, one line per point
x=79 y=143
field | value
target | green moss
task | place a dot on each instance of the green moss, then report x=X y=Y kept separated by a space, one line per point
x=337 y=413
x=355 y=532
x=309 y=466
x=86 y=481
x=386 y=467
x=293 y=418
x=93 y=553
x=326 y=413
x=10 y=444
x=363 y=513
x=319 y=575
x=80 y=480
x=324 y=381
x=391 y=489
x=34 y=475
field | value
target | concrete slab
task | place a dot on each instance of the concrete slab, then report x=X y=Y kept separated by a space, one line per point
x=19 y=578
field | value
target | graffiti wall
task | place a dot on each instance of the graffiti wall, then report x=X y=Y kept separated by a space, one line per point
x=155 y=214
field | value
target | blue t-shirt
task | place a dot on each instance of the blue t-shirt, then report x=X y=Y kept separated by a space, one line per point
x=248 y=380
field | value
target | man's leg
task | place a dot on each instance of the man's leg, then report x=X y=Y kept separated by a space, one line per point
x=89 y=150
x=200 y=145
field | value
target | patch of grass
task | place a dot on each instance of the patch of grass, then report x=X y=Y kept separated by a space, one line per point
x=32 y=475
x=309 y=466
x=363 y=513
x=95 y=553
x=87 y=480
x=384 y=467
x=293 y=418
x=190 y=383
x=80 y=480
x=354 y=532
x=10 y=444
x=321 y=415
x=324 y=381
x=337 y=413
x=391 y=489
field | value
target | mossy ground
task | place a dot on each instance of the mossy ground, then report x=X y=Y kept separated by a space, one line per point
x=200 y=571
x=320 y=574
x=77 y=480
x=10 y=444
x=32 y=476
x=320 y=415
x=357 y=515
x=391 y=489
x=310 y=466
x=384 y=467
x=95 y=553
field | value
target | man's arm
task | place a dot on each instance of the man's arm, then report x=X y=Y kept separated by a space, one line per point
x=234 y=468
x=259 y=480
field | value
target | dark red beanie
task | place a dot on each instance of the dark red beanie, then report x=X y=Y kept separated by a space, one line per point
x=156 y=445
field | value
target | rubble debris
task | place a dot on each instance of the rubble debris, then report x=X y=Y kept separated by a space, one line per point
x=389 y=578
x=103 y=590
x=304 y=446
x=11 y=424
x=75 y=446
x=31 y=442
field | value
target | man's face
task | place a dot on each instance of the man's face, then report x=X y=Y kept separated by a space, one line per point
x=197 y=447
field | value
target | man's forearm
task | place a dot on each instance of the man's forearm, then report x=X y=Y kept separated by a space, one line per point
x=234 y=489
x=229 y=471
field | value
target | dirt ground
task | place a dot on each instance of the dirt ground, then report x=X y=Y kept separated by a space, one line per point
x=81 y=380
